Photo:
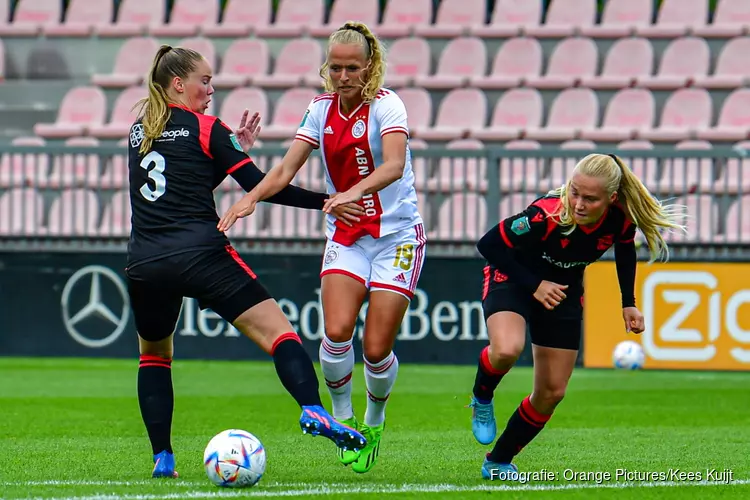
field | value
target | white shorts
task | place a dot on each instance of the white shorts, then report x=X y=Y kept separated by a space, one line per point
x=392 y=262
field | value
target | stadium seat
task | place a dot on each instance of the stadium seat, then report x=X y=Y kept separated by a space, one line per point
x=24 y=169
x=572 y=60
x=462 y=216
x=74 y=170
x=627 y=112
x=80 y=109
x=733 y=123
x=621 y=18
x=238 y=100
x=560 y=169
x=685 y=59
x=461 y=59
x=454 y=18
x=565 y=18
x=737 y=222
x=516 y=111
x=205 y=46
x=517 y=60
x=298 y=63
x=401 y=18
x=244 y=60
x=735 y=176
x=460 y=111
x=31 y=17
x=702 y=220
x=685 y=112
x=573 y=110
x=116 y=216
x=131 y=67
x=75 y=212
x=418 y=104
x=293 y=19
x=461 y=173
x=731 y=70
x=240 y=19
x=510 y=18
x=731 y=18
x=311 y=175
x=82 y=18
x=135 y=18
x=289 y=109
x=626 y=61
x=521 y=173
x=21 y=212
x=677 y=18
x=247 y=226
x=123 y=114
x=646 y=169
x=515 y=203
x=686 y=175
x=419 y=165
x=116 y=168
x=187 y=17
x=291 y=222
x=408 y=58
x=364 y=11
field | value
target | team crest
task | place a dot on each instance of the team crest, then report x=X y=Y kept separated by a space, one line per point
x=236 y=143
x=520 y=226
x=331 y=256
x=359 y=128
x=136 y=135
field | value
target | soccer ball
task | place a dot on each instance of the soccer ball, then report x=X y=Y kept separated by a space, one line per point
x=234 y=458
x=628 y=355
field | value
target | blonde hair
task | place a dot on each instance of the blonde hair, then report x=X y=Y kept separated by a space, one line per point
x=168 y=63
x=646 y=212
x=354 y=33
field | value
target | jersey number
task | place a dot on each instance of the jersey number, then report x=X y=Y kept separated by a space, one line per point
x=404 y=256
x=155 y=174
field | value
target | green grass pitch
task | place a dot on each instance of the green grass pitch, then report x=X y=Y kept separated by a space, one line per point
x=70 y=429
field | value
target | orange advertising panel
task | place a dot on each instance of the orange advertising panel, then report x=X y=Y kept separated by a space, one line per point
x=697 y=315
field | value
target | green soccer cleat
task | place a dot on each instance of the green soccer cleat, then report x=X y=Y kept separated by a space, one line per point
x=347 y=457
x=369 y=454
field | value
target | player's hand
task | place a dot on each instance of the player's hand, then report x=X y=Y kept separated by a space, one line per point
x=550 y=294
x=248 y=131
x=348 y=213
x=633 y=320
x=338 y=199
x=243 y=208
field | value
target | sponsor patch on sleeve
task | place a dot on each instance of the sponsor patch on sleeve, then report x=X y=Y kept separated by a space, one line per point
x=520 y=225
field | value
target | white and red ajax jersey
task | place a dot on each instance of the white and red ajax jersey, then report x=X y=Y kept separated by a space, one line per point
x=352 y=148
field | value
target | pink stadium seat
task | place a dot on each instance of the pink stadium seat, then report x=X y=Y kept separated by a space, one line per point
x=134 y=18
x=294 y=18
x=80 y=109
x=32 y=17
x=572 y=110
x=291 y=222
x=645 y=168
x=460 y=111
x=621 y=18
x=737 y=222
x=74 y=213
x=454 y=18
x=627 y=60
x=244 y=60
x=628 y=111
x=515 y=203
x=240 y=19
x=684 y=60
x=565 y=18
x=24 y=169
x=462 y=216
x=460 y=173
x=677 y=18
x=462 y=59
x=288 y=112
x=21 y=212
x=116 y=216
x=401 y=18
x=735 y=177
x=311 y=175
x=364 y=11
x=298 y=63
x=686 y=111
x=187 y=17
x=731 y=70
x=131 y=66
x=123 y=114
x=418 y=104
x=572 y=60
x=731 y=18
x=686 y=175
x=82 y=18
x=247 y=226
x=560 y=169
x=702 y=219
x=235 y=102
x=116 y=169
x=203 y=45
x=734 y=119
x=521 y=173
x=516 y=111
x=408 y=58
x=419 y=165
x=517 y=60
x=75 y=170
x=510 y=18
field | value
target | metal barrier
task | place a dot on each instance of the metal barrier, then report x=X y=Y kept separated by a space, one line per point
x=77 y=197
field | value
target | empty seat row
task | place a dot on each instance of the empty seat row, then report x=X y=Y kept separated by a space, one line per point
x=451 y=18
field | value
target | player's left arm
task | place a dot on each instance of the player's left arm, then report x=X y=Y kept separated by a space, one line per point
x=626 y=261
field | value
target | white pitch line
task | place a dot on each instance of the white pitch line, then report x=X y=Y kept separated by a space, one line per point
x=387 y=489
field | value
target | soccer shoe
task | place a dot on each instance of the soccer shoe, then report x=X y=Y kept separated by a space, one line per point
x=483 y=421
x=369 y=454
x=316 y=420
x=498 y=472
x=346 y=457
x=164 y=465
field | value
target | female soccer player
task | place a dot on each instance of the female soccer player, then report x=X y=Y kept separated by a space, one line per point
x=177 y=157
x=361 y=129
x=534 y=276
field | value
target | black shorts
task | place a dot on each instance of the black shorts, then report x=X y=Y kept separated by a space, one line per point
x=561 y=327
x=216 y=277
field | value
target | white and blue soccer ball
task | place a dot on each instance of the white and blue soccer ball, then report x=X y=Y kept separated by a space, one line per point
x=628 y=355
x=235 y=459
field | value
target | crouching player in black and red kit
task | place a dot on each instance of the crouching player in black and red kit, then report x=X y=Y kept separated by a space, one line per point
x=535 y=277
x=177 y=157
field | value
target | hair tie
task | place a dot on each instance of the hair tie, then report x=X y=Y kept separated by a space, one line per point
x=359 y=30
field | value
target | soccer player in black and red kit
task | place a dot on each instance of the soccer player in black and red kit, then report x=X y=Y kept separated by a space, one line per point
x=177 y=157
x=536 y=260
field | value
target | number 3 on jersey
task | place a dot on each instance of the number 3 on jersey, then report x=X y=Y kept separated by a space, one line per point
x=155 y=174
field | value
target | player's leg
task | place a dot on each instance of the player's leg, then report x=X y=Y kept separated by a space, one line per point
x=156 y=311
x=345 y=276
x=396 y=267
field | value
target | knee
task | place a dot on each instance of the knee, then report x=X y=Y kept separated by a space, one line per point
x=548 y=397
x=162 y=348
x=339 y=329
x=503 y=355
x=374 y=353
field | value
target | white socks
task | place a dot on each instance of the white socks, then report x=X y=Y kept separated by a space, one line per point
x=337 y=363
x=380 y=378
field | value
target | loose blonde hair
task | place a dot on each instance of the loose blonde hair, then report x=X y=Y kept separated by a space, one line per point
x=355 y=33
x=646 y=212
x=168 y=63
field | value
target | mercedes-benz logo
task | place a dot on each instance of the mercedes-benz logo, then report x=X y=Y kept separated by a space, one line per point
x=95 y=305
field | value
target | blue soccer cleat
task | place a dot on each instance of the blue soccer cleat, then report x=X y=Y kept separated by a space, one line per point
x=164 y=465
x=316 y=420
x=483 y=421
x=498 y=472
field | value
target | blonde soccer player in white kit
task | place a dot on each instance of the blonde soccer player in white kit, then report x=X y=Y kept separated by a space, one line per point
x=361 y=130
